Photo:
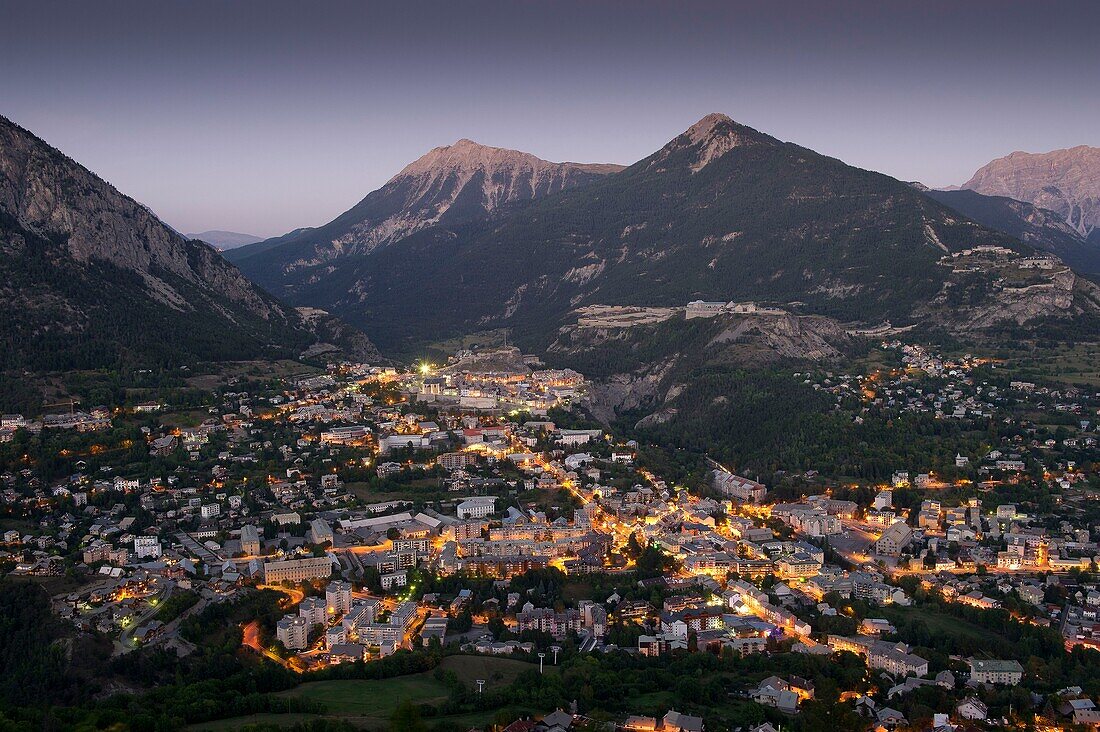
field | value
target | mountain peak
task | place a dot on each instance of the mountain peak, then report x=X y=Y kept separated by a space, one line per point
x=466 y=156
x=447 y=186
x=712 y=137
x=707 y=126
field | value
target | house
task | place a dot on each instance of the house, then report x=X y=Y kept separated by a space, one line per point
x=972 y=708
x=775 y=692
x=890 y=718
x=674 y=721
x=555 y=722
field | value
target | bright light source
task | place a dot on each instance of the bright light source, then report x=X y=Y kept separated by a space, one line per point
x=425 y=368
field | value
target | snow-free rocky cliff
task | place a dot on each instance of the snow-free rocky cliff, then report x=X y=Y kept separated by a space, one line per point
x=1064 y=181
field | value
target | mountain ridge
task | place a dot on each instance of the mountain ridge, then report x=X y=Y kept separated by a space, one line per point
x=447 y=186
x=91 y=278
x=720 y=212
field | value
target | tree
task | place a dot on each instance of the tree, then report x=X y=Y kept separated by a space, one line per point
x=406 y=718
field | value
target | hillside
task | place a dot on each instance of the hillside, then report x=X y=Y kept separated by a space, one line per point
x=1039 y=227
x=447 y=187
x=90 y=278
x=722 y=212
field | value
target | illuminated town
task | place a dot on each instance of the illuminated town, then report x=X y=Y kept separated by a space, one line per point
x=394 y=510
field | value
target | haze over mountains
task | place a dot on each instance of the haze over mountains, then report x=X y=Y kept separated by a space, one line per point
x=722 y=212
x=90 y=278
x=223 y=240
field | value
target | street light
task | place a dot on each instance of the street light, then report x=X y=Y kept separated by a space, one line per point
x=555 y=649
x=541 y=656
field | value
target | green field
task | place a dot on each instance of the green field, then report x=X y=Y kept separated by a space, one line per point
x=1075 y=364
x=422 y=489
x=938 y=623
x=369 y=703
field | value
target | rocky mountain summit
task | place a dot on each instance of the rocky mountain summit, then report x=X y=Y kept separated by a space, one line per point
x=1064 y=181
x=446 y=187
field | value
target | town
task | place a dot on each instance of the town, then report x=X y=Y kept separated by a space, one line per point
x=471 y=508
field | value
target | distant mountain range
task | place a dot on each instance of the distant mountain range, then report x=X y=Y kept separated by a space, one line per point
x=90 y=278
x=473 y=238
x=223 y=240
x=1064 y=181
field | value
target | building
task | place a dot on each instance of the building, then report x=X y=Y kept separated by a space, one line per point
x=390 y=580
x=320 y=532
x=338 y=598
x=452 y=461
x=896 y=662
x=895 y=538
x=312 y=609
x=676 y=722
x=355 y=434
x=468 y=530
x=146 y=547
x=287 y=519
x=293 y=632
x=434 y=627
x=474 y=508
x=297 y=570
x=972 y=708
x=704 y=309
x=734 y=486
x=988 y=671
x=335 y=636
x=404 y=615
x=546 y=620
x=250 y=540
x=890 y=657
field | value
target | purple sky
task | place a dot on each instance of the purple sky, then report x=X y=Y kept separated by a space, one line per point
x=264 y=116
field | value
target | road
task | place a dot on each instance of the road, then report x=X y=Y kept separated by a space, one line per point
x=250 y=638
x=125 y=642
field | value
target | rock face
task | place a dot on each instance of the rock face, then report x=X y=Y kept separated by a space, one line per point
x=89 y=277
x=1064 y=181
x=447 y=187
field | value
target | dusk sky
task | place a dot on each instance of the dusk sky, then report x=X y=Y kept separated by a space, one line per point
x=262 y=117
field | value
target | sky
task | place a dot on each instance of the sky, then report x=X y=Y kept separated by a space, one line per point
x=265 y=116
